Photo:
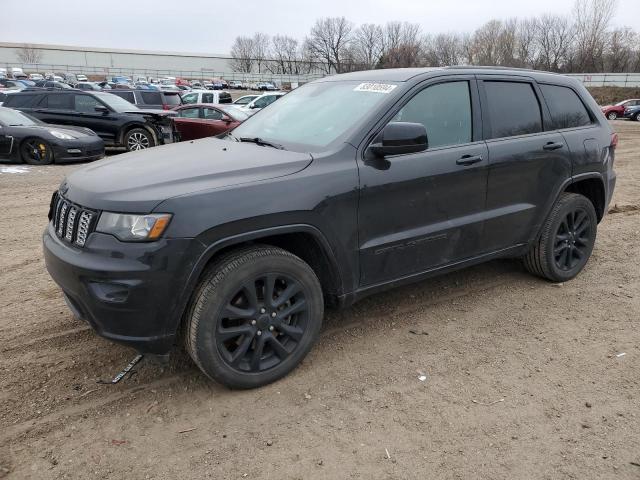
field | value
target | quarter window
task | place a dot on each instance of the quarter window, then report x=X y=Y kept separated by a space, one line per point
x=151 y=98
x=513 y=109
x=566 y=108
x=444 y=110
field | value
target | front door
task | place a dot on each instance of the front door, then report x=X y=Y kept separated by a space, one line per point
x=423 y=210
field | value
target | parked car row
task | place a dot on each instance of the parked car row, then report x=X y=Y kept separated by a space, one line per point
x=131 y=119
x=625 y=109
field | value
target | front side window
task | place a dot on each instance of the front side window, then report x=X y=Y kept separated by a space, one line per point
x=444 y=110
x=566 y=108
x=212 y=114
x=513 y=109
x=86 y=104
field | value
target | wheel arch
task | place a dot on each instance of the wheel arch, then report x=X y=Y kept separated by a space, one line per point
x=303 y=240
x=592 y=187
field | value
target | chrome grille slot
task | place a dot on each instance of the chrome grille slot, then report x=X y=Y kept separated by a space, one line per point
x=71 y=222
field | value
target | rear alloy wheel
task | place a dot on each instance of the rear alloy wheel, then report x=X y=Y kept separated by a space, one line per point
x=256 y=314
x=36 y=151
x=138 y=139
x=612 y=115
x=566 y=240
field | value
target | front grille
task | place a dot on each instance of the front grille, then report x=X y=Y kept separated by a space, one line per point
x=71 y=222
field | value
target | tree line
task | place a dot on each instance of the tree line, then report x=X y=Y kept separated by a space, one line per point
x=584 y=41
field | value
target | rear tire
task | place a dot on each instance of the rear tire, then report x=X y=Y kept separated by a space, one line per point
x=255 y=315
x=566 y=240
x=612 y=115
x=36 y=151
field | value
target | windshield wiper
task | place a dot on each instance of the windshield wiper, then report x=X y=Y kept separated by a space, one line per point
x=261 y=142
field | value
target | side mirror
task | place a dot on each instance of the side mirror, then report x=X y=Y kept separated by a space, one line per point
x=398 y=138
x=101 y=109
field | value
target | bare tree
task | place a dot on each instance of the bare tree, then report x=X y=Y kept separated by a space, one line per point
x=242 y=54
x=368 y=44
x=445 y=49
x=329 y=42
x=527 y=48
x=621 y=56
x=29 y=54
x=553 y=39
x=284 y=53
x=403 y=45
x=592 y=20
x=260 y=49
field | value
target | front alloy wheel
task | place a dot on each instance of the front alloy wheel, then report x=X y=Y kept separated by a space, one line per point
x=255 y=315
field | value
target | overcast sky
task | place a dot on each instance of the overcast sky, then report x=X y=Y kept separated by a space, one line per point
x=210 y=26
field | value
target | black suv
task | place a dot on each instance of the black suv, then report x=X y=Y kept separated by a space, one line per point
x=149 y=99
x=346 y=186
x=115 y=120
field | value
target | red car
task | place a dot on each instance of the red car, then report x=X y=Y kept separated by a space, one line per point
x=617 y=111
x=205 y=120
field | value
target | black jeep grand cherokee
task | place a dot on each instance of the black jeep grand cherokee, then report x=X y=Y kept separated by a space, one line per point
x=346 y=186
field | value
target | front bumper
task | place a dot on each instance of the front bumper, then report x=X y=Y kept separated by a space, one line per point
x=131 y=293
x=79 y=150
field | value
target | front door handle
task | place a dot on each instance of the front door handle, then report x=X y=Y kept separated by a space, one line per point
x=468 y=160
x=553 y=146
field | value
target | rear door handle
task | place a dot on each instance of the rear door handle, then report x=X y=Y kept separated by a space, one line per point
x=553 y=146
x=468 y=160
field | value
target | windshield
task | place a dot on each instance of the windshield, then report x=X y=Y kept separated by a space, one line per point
x=14 y=118
x=116 y=103
x=314 y=116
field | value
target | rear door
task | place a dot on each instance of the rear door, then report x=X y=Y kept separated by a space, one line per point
x=213 y=121
x=189 y=123
x=527 y=165
x=57 y=108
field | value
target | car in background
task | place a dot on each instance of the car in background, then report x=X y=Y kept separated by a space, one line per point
x=8 y=83
x=87 y=86
x=632 y=113
x=150 y=99
x=116 y=121
x=81 y=78
x=261 y=102
x=244 y=100
x=196 y=84
x=205 y=120
x=616 y=111
x=206 y=96
x=26 y=139
x=52 y=84
x=236 y=85
x=35 y=77
x=27 y=83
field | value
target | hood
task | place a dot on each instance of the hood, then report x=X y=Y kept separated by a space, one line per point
x=79 y=132
x=136 y=182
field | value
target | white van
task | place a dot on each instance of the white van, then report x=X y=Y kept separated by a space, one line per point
x=206 y=96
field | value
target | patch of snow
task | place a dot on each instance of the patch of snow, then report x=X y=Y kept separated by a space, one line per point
x=14 y=170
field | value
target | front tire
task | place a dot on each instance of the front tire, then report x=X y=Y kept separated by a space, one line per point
x=138 y=139
x=566 y=241
x=36 y=151
x=256 y=314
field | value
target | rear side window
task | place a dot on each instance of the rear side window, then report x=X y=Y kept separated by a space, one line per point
x=444 y=110
x=567 y=110
x=152 y=98
x=172 y=99
x=207 y=98
x=60 y=102
x=513 y=109
x=20 y=101
x=128 y=96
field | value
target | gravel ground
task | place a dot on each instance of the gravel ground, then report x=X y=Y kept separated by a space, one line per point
x=524 y=379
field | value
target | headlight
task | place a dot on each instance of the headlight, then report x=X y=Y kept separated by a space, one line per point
x=61 y=135
x=134 y=228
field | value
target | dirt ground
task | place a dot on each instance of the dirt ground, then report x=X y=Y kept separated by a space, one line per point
x=524 y=379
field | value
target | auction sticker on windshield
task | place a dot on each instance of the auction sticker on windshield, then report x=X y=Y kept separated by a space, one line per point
x=375 y=87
